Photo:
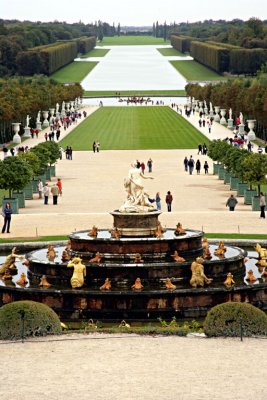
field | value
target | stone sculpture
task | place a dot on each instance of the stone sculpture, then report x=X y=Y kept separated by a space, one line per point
x=106 y=285
x=115 y=233
x=137 y=284
x=250 y=276
x=6 y=276
x=159 y=231
x=51 y=253
x=9 y=262
x=138 y=258
x=27 y=121
x=169 y=285
x=229 y=281
x=97 y=258
x=93 y=232
x=205 y=243
x=230 y=113
x=206 y=254
x=179 y=230
x=44 y=283
x=241 y=118
x=198 y=276
x=77 y=279
x=65 y=256
x=220 y=250
x=137 y=198
x=22 y=281
x=177 y=258
x=38 y=119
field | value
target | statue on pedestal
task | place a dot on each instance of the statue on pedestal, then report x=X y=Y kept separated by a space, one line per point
x=137 y=199
x=38 y=119
x=230 y=113
x=241 y=118
x=57 y=108
x=27 y=121
x=77 y=279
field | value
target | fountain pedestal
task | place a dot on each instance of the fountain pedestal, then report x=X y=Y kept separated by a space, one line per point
x=136 y=224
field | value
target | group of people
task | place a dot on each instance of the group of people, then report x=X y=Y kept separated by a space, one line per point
x=45 y=190
x=141 y=164
x=190 y=164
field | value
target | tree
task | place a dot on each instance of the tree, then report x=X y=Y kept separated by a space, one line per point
x=255 y=169
x=119 y=29
x=32 y=160
x=44 y=157
x=15 y=174
x=157 y=29
x=165 y=31
x=53 y=149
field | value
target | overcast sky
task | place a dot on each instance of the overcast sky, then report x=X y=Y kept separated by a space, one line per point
x=132 y=12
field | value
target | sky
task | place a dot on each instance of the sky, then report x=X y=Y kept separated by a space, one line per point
x=131 y=12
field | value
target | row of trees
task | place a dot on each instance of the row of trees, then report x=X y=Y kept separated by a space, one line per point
x=248 y=167
x=246 y=95
x=16 y=172
x=22 y=96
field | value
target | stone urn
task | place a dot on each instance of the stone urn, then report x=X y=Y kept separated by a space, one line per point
x=16 y=127
x=217 y=116
x=211 y=113
x=67 y=107
x=251 y=125
x=230 y=123
x=45 y=121
x=72 y=106
x=201 y=106
x=223 y=120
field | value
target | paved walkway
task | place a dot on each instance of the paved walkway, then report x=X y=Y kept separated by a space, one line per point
x=93 y=186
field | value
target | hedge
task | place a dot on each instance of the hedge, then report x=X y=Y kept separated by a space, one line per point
x=247 y=61
x=181 y=43
x=214 y=57
x=86 y=44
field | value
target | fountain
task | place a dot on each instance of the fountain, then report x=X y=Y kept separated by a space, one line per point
x=135 y=270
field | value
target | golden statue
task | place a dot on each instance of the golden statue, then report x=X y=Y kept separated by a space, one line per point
x=177 y=258
x=44 y=283
x=169 y=285
x=159 y=231
x=115 y=233
x=220 y=250
x=261 y=263
x=77 y=279
x=229 y=281
x=68 y=247
x=22 y=281
x=93 y=232
x=137 y=258
x=250 y=276
x=51 y=253
x=198 y=276
x=261 y=251
x=65 y=256
x=6 y=276
x=97 y=258
x=179 y=230
x=206 y=254
x=106 y=285
x=264 y=274
x=205 y=243
x=10 y=261
x=137 y=284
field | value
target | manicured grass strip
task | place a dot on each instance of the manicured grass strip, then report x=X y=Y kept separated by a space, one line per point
x=193 y=71
x=132 y=128
x=235 y=236
x=171 y=52
x=34 y=239
x=95 y=53
x=74 y=72
x=131 y=40
x=147 y=93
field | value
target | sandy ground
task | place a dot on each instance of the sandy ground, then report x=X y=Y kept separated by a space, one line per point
x=132 y=367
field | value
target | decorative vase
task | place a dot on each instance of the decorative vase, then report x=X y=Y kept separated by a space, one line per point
x=230 y=123
x=223 y=120
x=251 y=134
x=217 y=116
x=45 y=121
x=16 y=127
x=201 y=106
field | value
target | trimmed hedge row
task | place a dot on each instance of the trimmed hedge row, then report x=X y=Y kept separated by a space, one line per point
x=246 y=61
x=86 y=44
x=214 y=57
x=181 y=43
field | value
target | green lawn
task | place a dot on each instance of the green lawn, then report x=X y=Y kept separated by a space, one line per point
x=126 y=128
x=131 y=40
x=193 y=71
x=171 y=52
x=74 y=72
x=147 y=93
x=95 y=53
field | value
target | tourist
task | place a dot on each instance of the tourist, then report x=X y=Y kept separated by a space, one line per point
x=206 y=167
x=186 y=164
x=191 y=164
x=46 y=193
x=5 y=151
x=55 y=193
x=199 y=149
x=149 y=165
x=59 y=185
x=94 y=147
x=142 y=166
x=40 y=188
x=198 y=167
x=7 y=212
x=205 y=149
x=46 y=136
x=200 y=123
x=70 y=153
x=209 y=126
x=262 y=205
x=97 y=146
x=58 y=134
x=231 y=203
x=61 y=151
x=249 y=146
x=168 y=201
x=158 y=201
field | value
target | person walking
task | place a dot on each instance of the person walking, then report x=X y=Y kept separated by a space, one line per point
x=59 y=185
x=199 y=149
x=204 y=149
x=198 y=167
x=55 y=193
x=40 y=188
x=94 y=147
x=142 y=166
x=46 y=193
x=231 y=203
x=191 y=164
x=262 y=205
x=149 y=165
x=70 y=153
x=186 y=164
x=97 y=145
x=7 y=212
x=206 y=167
x=158 y=201
x=169 y=200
